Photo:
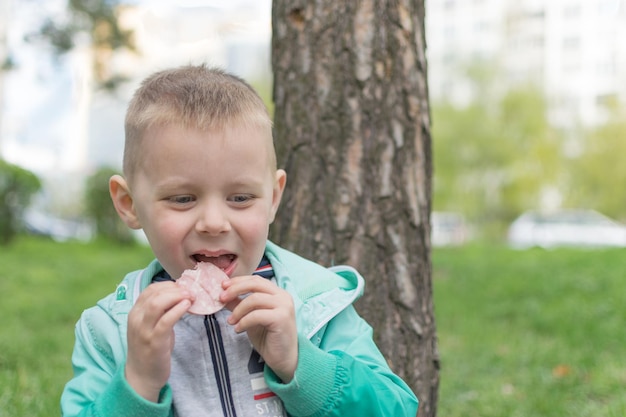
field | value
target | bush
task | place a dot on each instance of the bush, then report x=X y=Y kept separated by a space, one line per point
x=100 y=208
x=17 y=186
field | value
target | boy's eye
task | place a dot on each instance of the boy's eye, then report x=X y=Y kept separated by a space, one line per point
x=241 y=198
x=181 y=199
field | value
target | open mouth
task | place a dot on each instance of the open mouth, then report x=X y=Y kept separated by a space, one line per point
x=221 y=261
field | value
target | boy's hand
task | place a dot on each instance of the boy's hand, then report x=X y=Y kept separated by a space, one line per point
x=151 y=336
x=267 y=313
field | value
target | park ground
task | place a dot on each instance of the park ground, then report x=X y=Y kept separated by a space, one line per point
x=520 y=333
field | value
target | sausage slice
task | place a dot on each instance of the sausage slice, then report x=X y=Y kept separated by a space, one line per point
x=205 y=282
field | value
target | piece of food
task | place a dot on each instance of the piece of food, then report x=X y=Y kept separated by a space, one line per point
x=205 y=282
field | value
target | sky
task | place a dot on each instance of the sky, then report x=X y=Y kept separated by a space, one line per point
x=29 y=105
x=45 y=99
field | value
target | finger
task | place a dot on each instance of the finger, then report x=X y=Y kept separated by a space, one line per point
x=270 y=319
x=162 y=293
x=153 y=303
x=243 y=285
x=254 y=320
x=232 y=305
x=171 y=316
x=256 y=301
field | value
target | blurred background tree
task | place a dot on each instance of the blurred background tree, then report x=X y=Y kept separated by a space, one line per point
x=17 y=186
x=100 y=209
x=597 y=174
x=99 y=19
x=496 y=156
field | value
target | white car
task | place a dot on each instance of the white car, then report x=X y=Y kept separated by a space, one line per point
x=448 y=229
x=566 y=228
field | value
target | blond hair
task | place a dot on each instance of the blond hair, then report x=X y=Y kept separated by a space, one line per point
x=191 y=96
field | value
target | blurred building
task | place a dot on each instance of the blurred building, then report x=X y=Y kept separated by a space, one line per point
x=233 y=35
x=572 y=49
x=57 y=123
x=4 y=55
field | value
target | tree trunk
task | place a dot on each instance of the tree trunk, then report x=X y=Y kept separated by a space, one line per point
x=353 y=133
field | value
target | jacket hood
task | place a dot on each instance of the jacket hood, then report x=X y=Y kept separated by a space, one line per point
x=319 y=293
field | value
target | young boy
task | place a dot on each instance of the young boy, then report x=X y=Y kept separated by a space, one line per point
x=200 y=179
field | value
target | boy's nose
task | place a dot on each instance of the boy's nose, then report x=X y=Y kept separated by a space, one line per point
x=213 y=220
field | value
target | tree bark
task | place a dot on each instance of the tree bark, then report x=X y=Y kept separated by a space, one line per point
x=352 y=130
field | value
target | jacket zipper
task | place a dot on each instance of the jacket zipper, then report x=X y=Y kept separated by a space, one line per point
x=220 y=365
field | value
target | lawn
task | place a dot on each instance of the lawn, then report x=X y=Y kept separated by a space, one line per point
x=44 y=287
x=521 y=333
x=531 y=333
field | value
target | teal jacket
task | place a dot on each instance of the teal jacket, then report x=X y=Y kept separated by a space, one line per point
x=340 y=370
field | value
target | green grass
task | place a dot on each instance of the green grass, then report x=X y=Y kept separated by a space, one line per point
x=44 y=286
x=531 y=333
x=521 y=333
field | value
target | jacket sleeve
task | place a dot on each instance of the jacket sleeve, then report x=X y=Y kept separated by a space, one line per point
x=345 y=375
x=99 y=387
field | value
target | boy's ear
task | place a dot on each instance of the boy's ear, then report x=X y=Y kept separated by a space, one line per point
x=279 y=187
x=123 y=201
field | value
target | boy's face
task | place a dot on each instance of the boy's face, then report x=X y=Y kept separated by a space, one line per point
x=206 y=196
